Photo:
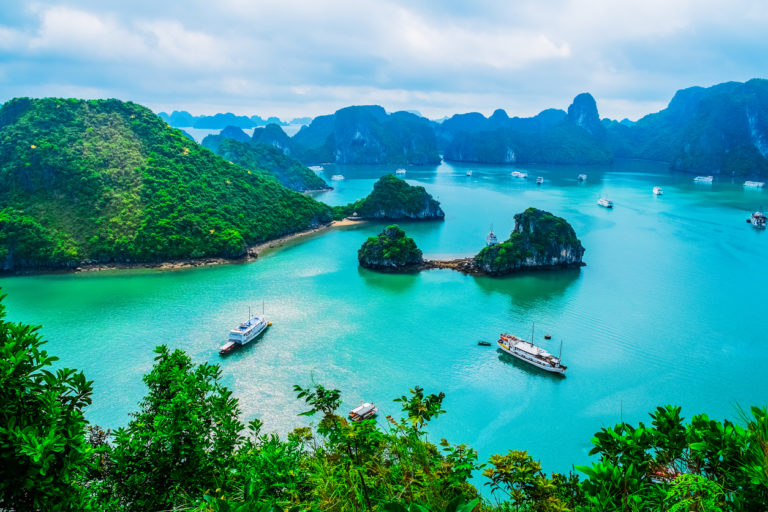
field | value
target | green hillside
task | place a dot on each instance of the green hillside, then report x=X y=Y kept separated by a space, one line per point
x=270 y=161
x=106 y=180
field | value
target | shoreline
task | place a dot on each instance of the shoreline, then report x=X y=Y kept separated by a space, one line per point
x=467 y=266
x=251 y=254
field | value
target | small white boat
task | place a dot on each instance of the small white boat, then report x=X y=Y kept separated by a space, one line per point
x=491 y=239
x=581 y=177
x=605 y=202
x=658 y=191
x=400 y=171
x=469 y=172
x=337 y=177
x=703 y=179
x=316 y=168
x=363 y=412
x=518 y=174
x=757 y=220
x=530 y=353
x=754 y=184
x=539 y=180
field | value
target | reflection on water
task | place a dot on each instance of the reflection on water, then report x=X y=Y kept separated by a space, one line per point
x=526 y=289
x=529 y=369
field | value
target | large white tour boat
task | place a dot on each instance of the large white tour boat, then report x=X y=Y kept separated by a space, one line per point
x=245 y=333
x=530 y=353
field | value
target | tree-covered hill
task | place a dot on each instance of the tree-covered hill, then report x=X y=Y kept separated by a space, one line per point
x=393 y=198
x=271 y=161
x=106 y=180
x=367 y=135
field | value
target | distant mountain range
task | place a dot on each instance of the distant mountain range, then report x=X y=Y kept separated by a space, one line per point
x=183 y=119
x=717 y=130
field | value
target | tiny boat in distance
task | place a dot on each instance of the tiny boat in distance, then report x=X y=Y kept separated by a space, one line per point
x=658 y=191
x=491 y=239
x=581 y=177
x=363 y=412
x=316 y=168
x=703 y=179
x=530 y=353
x=400 y=171
x=605 y=203
x=245 y=333
x=469 y=172
x=337 y=177
x=518 y=174
x=484 y=343
x=757 y=220
x=754 y=184
x=539 y=180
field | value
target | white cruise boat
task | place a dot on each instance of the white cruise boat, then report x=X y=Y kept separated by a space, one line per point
x=316 y=168
x=469 y=172
x=605 y=202
x=518 y=174
x=658 y=191
x=363 y=412
x=245 y=333
x=581 y=177
x=400 y=171
x=337 y=177
x=757 y=220
x=530 y=353
x=754 y=184
x=703 y=179
x=539 y=180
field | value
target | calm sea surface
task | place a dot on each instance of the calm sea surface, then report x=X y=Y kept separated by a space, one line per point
x=669 y=309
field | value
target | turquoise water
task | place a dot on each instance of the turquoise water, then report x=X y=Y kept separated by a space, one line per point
x=669 y=309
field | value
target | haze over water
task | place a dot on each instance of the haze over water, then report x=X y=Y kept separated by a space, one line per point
x=669 y=309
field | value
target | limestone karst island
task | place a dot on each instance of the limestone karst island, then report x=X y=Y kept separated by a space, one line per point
x=317 y=256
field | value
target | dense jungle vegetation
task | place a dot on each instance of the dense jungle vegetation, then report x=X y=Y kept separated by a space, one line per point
x=106 y=180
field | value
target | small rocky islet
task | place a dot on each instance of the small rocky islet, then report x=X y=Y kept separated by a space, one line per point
x=539 y=241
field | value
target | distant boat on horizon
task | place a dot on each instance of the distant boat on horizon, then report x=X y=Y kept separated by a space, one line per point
x=605 y=202
x=703 y=179
x=754 y=184
x=469 y=172
x=400 y=171
x=337 y=177
x=539 y=180
x=581 y=177
x=316 y=168
x=658 y=191
x=518 y=174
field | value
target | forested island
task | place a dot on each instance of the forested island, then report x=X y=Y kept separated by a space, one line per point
x=393 y=199
x=108 y=181
x=390 y=250
x=187 y=447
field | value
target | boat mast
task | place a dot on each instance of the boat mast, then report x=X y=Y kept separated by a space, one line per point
x=560 y=356
x=532 y=326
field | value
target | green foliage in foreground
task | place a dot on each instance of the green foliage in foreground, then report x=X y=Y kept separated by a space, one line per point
x=106 y=180
x=393 y=198
x=186 y=449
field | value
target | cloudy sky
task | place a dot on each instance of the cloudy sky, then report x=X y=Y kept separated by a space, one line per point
x=309 y=57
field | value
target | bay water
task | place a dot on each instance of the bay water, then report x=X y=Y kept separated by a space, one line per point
x=669 y=309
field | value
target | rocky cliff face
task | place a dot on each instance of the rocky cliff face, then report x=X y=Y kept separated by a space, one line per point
x=583 y=112
x=539 y=240
x=391 y=250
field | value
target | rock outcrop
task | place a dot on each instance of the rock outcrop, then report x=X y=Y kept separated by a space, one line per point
x=391 y=250
x=393 y=198
x=539 y=240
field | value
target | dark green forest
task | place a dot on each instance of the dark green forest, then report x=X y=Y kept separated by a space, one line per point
x=186 y=447
x=109 y=181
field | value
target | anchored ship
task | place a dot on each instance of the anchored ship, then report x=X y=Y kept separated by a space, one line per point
x=530 y=353
x=757 y=220
x=605 y=202
x=245 y=333
x=703 y=179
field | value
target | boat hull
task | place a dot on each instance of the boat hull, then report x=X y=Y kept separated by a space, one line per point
x=531 y=360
